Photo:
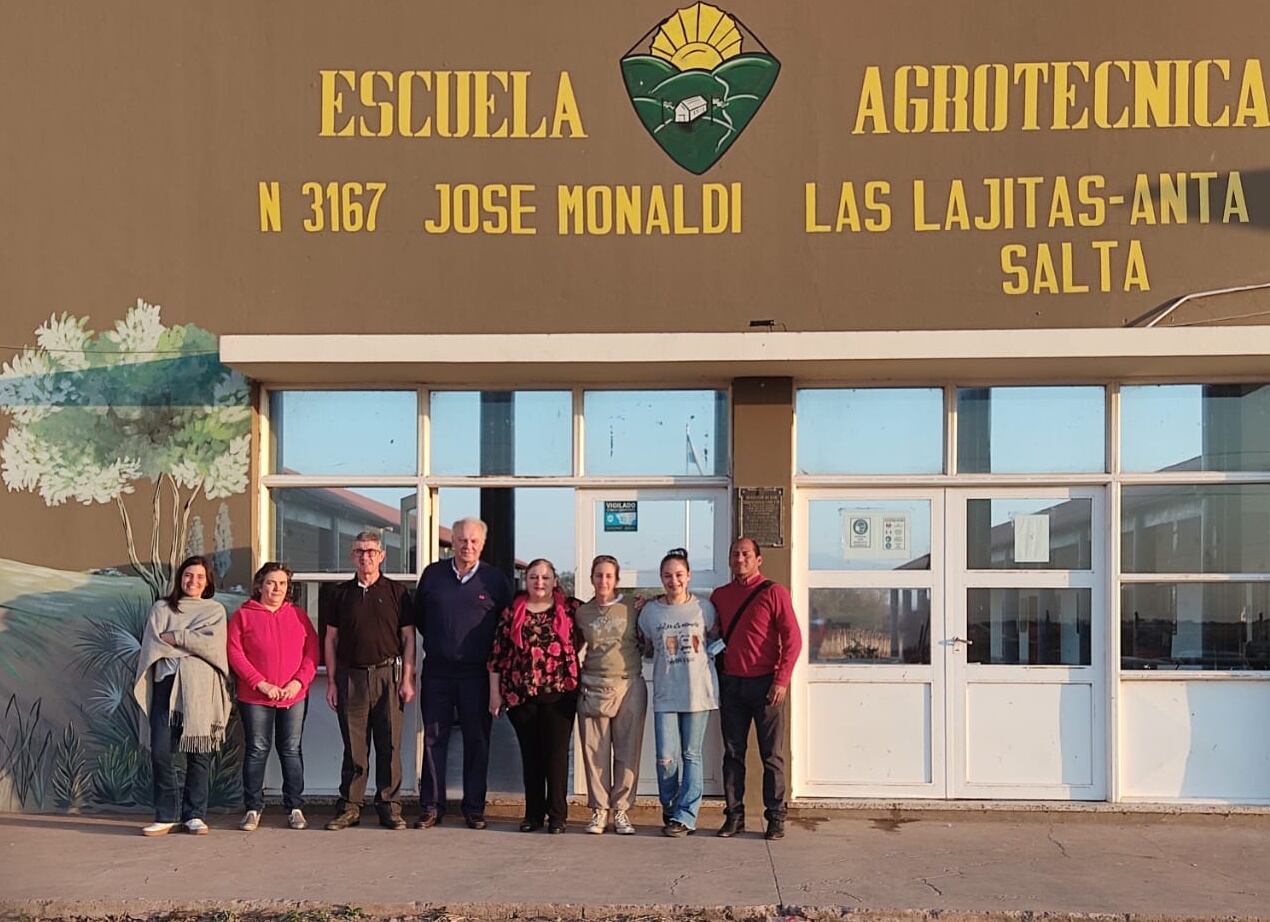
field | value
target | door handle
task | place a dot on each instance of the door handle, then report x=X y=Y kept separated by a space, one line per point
x=957 y=640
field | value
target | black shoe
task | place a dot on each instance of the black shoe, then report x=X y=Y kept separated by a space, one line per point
x=392 y=821
x=731 y=826
x=528 y=825
x=775 y=829
x=665 y=818
x=475 y=820
x=344 y=819
x=427 y=819
x=556 y=828
x=676 y=830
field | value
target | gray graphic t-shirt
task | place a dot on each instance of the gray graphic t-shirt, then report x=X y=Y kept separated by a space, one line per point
x=683 y=673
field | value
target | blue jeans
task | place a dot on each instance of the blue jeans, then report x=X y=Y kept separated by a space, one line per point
x=263 y=727
x=174 y=801
x=680 y=777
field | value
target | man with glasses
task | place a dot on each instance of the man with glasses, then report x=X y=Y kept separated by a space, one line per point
x=458 y=602
x=757 y=623
x=370 y=661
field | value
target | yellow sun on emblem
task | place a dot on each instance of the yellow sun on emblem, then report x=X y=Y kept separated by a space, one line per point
x=698 y=37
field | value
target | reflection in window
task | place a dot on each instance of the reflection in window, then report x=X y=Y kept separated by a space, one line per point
x=314 y=527
x=870 y=430
x=869 y=626
x=1028 y=627
x=343 y=432
x=869 y=535
x=502 y=433
x=662 y=524
x=1028 y=534
x=682 y=433
x=1221 y=528
x=1195 y=626
x=1026 y=430
x=1194 y=427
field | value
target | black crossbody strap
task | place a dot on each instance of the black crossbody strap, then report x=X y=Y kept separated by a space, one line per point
x=727 y=635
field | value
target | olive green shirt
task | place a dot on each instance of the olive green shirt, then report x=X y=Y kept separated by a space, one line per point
x=609 y=634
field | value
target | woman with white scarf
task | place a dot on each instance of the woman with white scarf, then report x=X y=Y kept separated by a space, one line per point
x=182 y=688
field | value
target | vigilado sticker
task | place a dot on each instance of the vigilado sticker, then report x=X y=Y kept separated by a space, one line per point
x=696 y=80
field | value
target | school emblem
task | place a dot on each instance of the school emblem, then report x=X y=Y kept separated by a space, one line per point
x=696 y=80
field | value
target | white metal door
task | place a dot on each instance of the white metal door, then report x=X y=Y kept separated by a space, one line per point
x=638 y=527
x=869 y=715
x=1026 y=653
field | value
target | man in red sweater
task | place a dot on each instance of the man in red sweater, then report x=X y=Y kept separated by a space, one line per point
x=756 y=620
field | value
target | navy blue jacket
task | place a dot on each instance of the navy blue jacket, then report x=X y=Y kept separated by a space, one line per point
x=456 y=621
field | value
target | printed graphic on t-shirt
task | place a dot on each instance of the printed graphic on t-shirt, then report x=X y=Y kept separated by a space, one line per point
x=680 y=642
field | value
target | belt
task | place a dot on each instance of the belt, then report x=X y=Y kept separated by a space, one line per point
x=385 y=663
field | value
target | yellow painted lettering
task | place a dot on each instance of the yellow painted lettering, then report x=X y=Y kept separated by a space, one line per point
x=568 y=207
x=1135 y=270
x=1102 y=95
x=904 y=101
x=332 y=103
x=919 y=207
x=1203 y=93
x=1143 y=209
x=1236 y=205
x=810 y=224
x=872 y=106
x=1009 y=254
x=1252 y=110
x=1032 y=75
x=567 y=113
x=875 y=195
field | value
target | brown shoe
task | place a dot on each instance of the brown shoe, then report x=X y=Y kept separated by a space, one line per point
x=475 y=821
x=775 y=829
x=392 y=821
x=344 y=819
x=427 y=819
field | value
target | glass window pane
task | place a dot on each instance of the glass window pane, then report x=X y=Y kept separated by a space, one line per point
x=1195 y=427
x=663 y=524
x=501 y=433
x=543 y=526
x=1222 y=528
x=314 y=527
x=1028 y=627
x=869 y=626
x=1194 y=626
x=1026 y=430
x=870 y=431
x=656 y=432
x=1029 y=534
x=869 y=534
x=344 y=432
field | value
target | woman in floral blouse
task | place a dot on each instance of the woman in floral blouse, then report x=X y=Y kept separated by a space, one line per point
x=533 y=670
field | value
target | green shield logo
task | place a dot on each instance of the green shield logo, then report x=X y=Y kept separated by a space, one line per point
x=696 y=80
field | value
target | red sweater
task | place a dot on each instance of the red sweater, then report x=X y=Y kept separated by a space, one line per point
x=767 y=641
x=272 y=646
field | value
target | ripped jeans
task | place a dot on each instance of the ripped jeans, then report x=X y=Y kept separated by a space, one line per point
x=680 y=776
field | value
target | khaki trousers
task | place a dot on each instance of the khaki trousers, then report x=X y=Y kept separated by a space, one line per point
x=611 y=748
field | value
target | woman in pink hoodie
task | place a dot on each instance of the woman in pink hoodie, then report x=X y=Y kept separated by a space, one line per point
x=273 y=650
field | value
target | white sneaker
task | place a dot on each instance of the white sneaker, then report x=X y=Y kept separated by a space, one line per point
x=250 y=820
x=622 y=824
x=599 y=819
x=196 y=827
x=157 y=829
x=297 y=820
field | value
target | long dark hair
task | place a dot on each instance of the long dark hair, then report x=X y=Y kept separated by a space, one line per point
x=174 y=597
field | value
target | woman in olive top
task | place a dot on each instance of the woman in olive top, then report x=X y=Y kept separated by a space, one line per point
x=612 y=700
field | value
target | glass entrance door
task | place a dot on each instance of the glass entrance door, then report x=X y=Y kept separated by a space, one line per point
x=1026 y=607
x=638 y=527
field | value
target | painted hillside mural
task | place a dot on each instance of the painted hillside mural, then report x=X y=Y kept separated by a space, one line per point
x=141 y=417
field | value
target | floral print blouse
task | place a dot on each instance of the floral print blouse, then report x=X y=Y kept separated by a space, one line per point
x=546 y=663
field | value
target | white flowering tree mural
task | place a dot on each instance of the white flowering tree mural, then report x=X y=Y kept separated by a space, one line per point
x=94 y=414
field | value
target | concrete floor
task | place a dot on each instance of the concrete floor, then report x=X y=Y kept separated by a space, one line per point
x=1207 y=866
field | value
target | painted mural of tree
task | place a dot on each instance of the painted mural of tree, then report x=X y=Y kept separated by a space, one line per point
x=92 y=414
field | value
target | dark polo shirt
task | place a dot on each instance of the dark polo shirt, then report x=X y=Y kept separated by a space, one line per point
x=369 y=621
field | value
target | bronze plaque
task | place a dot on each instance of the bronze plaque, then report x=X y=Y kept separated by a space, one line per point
x=758 y=515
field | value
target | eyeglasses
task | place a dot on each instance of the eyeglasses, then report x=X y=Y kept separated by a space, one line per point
x=680 y=552
x=366 y=551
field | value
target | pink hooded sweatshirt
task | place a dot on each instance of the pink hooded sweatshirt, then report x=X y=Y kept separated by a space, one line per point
x=272 y=646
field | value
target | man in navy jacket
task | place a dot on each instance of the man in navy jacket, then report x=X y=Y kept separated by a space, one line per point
x=457 y=606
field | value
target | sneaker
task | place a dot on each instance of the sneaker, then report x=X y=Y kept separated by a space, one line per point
x=622 y=824
x=599 y=819
x=297 y=820
x=157 y=829
x=196 y=827
x=250 y=820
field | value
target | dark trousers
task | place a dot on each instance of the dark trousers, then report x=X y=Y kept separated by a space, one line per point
x=263 y=728
x=743 y=701
x=543 y=725
x=370 y=711
x=442 y=697
x=169 y=794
